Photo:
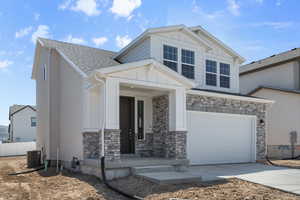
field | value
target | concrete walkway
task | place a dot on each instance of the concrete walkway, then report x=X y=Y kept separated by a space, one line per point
x=285 y=179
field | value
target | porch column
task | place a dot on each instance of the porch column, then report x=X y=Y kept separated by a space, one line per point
x=112 y=127
x=176 y=136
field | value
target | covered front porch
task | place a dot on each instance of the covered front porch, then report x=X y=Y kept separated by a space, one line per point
x=134 y=111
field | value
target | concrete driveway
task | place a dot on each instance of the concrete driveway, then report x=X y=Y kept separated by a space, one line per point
x=281 y=178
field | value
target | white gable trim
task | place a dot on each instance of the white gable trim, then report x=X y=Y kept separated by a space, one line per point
x=150 y=31
x=151 y=63
x=219 y=42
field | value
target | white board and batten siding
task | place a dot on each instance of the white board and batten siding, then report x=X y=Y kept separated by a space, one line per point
x=16 y=148
x=215 y=138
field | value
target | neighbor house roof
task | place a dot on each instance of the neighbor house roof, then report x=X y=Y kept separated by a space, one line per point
x=17 y=108
x=271 y=61
x=275 y=89
x=85 y=58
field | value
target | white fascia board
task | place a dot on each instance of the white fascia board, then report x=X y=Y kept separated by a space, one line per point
x=212 y=37
x=123 y=67
x=228 y=96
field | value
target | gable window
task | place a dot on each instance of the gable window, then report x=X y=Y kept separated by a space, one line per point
x=224 y=75
x=170 y=57
x=188 y=63
x=211 y=73
x=140 y=119
x=33 y=121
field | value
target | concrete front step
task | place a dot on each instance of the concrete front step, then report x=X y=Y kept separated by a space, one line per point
x=172 y=177
x=150 y=169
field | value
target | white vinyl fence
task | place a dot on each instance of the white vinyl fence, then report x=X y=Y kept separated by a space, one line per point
x=16 y=148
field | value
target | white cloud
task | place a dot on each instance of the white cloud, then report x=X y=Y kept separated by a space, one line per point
x=233 y=7
x=124 y=8
x=74 y=40
x=5 y=63
x=42 y=31
x=275 y=25
x=88 y=7
x=23 y=32
x=122 y=41
x=36 y=16
x=99 y=41
x=278 y=3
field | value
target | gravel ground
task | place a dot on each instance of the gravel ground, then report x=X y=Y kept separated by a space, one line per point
x=68 y=186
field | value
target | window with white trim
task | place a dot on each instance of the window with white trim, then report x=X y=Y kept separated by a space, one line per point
x=224 y=75
x=33 y=121
x=170 y=57
x=211 y=73
x=140 y=119
x=188 y=63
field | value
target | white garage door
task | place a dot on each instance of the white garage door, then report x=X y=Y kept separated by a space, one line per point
x=220 y=138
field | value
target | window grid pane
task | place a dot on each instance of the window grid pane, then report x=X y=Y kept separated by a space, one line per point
x=188 y=71
x=211 y=79
x=187 y=57
x=170 y=53
x=171 y=65
x=225 y=69
x=211 y=66
x=225 y=81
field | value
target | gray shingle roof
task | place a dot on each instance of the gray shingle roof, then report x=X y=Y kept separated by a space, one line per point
x=15 y=108
x=86 y=58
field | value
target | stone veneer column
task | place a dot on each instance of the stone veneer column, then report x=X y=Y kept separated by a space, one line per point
x=176 y=144
x=112 y=144
x=91 y=145
x=160 y=123
x=166 y=144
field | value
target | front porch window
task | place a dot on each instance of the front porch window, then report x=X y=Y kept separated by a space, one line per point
x=140 y=119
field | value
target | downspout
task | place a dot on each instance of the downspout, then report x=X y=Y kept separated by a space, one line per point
x=104 y=114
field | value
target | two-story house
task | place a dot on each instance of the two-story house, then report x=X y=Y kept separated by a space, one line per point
x=22 y=127
x=172 y=94
x=278 y=78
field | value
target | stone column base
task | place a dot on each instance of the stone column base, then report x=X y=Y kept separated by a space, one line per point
x=176 y=144
x=91 y=147
x=112 y=144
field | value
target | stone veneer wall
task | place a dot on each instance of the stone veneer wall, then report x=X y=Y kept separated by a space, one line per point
x=92 y=144
x=166 y=144
x=224 y=105
x=160 y=124
x=144 y=148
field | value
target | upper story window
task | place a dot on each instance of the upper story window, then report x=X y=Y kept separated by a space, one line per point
x=224 y=75
x=188 y=63
x=211 y=73
x=33 y=121
x=170 y=57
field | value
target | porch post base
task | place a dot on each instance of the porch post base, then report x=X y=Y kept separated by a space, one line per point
x=176 y=144
x=112 y=144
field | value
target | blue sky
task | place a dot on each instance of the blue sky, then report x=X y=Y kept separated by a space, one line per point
x=254 y=28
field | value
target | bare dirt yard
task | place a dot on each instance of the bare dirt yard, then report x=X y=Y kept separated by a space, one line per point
x=68 y=186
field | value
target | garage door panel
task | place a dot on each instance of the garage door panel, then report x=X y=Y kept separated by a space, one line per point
x=219 y=138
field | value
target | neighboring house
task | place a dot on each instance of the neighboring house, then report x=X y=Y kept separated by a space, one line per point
x=172 y=93
x=22 y=127
x=3 y=133
x=277 y=78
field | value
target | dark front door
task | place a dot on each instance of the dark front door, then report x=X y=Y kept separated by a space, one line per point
x=127 y=125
